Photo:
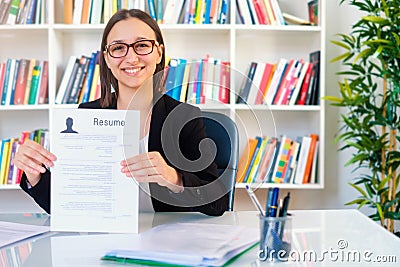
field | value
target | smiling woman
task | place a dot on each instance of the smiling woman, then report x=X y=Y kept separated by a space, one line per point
x=130 y=79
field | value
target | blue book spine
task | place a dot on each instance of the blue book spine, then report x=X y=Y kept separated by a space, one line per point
x=89 y=76
x=207 y=12
x=179 y=73
x=199 y=82
x=223 y=15
x=152 y=9
x=15 y=78
x=169 y=83
x=30 y=19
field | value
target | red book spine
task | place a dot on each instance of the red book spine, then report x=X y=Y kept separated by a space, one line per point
x=304 y=86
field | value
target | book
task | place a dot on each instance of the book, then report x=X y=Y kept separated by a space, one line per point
x=85 y=12
x=12 y=80
x=2 y=77
x=285 y=79
x=4 y=10
x=30 y=19
x=4 y=160
x=296 y=90
x=247 y=178
x=266 y=160
x=301 y=100
x=246 y=84
x=6 y=81
x=310 y=156
x=276 y=80
x=96 y=12
x=10 y=95
x=245 y=159
x=313 y=92
x=13 y=12
x=256 y=164
x=64 y=80
x=225 y=82
x=12 y=151
x=32 y=64
x=265 y=81
x=313 y=11
x=79 y=80
x=152 y=9
x=77 y=13
x=34 y=84
x=68 y=11
x=255 y=89
x=282 y=160
x=44 y=84
x=302 y=161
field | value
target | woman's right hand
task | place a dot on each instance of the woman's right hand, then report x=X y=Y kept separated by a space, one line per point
x=30 y=158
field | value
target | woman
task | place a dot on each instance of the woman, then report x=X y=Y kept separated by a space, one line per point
x=132 y=62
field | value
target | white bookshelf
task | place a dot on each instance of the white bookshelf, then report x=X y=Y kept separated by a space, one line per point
x=239 y=44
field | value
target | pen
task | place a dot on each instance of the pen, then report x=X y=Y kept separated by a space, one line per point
x=269 y=202
x=274 y=202
x=285 y=206
x=254 y=200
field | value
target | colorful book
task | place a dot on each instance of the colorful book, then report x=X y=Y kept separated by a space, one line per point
x=245 y=158
x=34 y=84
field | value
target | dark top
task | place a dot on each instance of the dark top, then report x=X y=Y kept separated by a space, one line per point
x=202 y=193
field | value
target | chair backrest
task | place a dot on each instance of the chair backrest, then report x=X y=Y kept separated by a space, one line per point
x=223 y=131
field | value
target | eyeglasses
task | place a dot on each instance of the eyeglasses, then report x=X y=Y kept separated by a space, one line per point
x=141 y=48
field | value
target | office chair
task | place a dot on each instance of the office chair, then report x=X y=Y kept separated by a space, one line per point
x=223 y=131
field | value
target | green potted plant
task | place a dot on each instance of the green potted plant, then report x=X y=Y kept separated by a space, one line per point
x=369 y=94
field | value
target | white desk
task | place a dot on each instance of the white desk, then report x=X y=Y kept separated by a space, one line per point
x=316 y=231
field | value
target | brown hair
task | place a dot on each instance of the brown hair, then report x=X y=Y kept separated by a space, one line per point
x=107 y=79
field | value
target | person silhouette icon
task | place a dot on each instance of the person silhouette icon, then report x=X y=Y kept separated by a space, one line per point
x=69 y=122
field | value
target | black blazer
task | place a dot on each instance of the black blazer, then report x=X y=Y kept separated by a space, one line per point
x=170 y=119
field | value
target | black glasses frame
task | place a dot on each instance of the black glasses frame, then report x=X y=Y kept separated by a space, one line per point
x=153 y=43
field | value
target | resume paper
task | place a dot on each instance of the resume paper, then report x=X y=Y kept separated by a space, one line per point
x=89 y=193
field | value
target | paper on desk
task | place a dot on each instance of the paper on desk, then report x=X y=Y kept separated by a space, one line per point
x=89 y=193
x=189 y=244
x=13 y=232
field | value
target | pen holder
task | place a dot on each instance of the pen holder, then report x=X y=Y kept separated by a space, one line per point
x=275 y=238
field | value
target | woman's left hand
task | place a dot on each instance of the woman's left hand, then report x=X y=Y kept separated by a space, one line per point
x=151 y=167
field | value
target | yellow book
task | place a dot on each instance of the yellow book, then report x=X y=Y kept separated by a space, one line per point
x=256 y=163
x=32 y=63
x=185 y=83
x=245 y=159
x=68 y=10
x=106 y=10
x=114 y=6
x=94 y=82
x=198 y=18
x=5 y=161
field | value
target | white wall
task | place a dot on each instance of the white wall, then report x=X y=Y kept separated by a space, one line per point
x=336 y=192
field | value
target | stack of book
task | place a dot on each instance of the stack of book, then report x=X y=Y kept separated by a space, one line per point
x=167 y=12
x=23 y=12
x=80 y=81
x=24 y=81
x=9 y=174
x=286 y=82
x=199 y=81
x=284 y=160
